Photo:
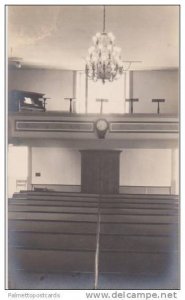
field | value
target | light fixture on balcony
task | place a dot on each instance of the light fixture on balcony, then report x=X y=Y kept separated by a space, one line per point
x=14 y=61
x=104 y=59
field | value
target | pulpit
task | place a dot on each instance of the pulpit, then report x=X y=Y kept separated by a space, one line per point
x=100 y=171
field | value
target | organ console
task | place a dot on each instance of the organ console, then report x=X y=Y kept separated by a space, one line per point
x=26 y=101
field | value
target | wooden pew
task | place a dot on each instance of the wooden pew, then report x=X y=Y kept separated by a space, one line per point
x=52 y=226
x=52 y=235
x=55 y=195
x=138 y=233
x=139 y=237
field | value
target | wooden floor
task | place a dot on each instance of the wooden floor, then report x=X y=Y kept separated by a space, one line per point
x=121 y=240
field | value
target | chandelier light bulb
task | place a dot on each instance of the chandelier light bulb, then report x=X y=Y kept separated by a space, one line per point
x=109 y=47
x=111 y=36
x=100 y=46
x=98 y=35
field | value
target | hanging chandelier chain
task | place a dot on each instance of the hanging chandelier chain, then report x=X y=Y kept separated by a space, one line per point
x=104 y=18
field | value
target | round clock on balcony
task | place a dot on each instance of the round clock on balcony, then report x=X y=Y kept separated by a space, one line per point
x=101 y=127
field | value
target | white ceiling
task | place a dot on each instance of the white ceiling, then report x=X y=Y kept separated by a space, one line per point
x=59 y=36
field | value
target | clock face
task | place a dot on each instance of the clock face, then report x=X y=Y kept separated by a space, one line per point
x=101 y=125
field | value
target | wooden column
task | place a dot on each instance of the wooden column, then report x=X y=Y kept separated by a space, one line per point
x=29 y=178
x=86 y=94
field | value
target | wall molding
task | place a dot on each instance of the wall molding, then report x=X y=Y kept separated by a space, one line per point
x=157 y=127
x=54 y=126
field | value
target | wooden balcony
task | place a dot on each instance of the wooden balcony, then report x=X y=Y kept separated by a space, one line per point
x=123 y=130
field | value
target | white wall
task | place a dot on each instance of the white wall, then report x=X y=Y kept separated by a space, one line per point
x=56 y=165
x=55 y=84
x=148 y=85
x=145 y=167
x=138 y=167
x=175 y=171
x=62 y=166
x=17 y=167
x=58 y=84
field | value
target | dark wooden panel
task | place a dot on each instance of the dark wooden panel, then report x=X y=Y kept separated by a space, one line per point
x=122 y=281
x=138 y=219
x=52 y=226
x=57 y=197
x=103 y=205
x=136 y=263
x=138 y=211
x=140 y=243
x=22 y=280
x=134 y=205
x=82 y=195
x=141 y=196
x=109 y=172
x=138 y=200
x=87 y=195
x=100 y=171
x=49 y=260
x=90 y=172
x=52 y=216
x=139 y=229
x=105 y=199
x=66 y=203
x=55 y=193
x=50 y=241
x=51 y=209
x=89 y=210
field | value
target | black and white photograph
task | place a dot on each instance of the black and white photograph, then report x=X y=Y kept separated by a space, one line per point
x=93 y=121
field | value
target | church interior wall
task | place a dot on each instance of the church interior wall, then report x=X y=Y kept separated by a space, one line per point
x=138 y=167
x=17 y=169
x=56 y=166
x=60 y=168
x=175 y=171
x=145 y=167
x=148 y=85
x=115 y=160
x=58 y=84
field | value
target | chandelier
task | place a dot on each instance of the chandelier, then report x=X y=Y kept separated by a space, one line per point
x=104 y=58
